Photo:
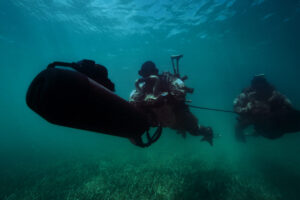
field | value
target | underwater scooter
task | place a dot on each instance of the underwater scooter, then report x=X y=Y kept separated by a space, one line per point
x=80 y=96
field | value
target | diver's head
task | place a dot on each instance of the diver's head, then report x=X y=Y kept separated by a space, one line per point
x=260 y=84
x=147 y=69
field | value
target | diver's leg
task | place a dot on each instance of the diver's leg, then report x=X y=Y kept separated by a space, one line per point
x=239 y=129
x=207 y=132
x=182 y=133
x=190 y=123
x=239 y=133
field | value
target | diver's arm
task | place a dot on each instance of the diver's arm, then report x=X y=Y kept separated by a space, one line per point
x=177 y=89
x=137 y=84
x=136 y=98
x=280 y=100
x=156 y=88
x=241 y=104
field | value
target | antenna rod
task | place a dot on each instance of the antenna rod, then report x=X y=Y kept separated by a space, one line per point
x=176 y=57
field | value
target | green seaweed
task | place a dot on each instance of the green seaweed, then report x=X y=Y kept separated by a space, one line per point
x=176 y=178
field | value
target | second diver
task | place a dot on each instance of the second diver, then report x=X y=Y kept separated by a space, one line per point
x=268 y=111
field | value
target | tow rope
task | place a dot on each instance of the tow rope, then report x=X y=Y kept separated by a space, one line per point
x=213 y=109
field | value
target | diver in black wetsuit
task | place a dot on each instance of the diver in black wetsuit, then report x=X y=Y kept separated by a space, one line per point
x=270 y=112
x=89 y=68
x=96 y=72
x=162 y=97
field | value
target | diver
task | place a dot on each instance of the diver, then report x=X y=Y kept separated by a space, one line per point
x=91 y=69
x=162 y=97
x=95 y=71
x=262 y=106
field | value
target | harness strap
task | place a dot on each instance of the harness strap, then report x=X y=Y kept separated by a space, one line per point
x=150 y=139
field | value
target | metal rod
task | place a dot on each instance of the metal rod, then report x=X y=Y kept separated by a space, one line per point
x=173 y=65
x=177 y=62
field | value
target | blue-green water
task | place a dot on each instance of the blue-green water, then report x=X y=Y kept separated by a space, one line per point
x=224 y=42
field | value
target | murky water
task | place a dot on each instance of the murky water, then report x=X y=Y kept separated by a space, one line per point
x=224 y=42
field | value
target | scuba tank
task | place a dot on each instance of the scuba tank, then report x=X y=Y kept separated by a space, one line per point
x=72 y=98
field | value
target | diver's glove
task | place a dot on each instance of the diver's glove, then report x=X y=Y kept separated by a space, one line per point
x=156 y=101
